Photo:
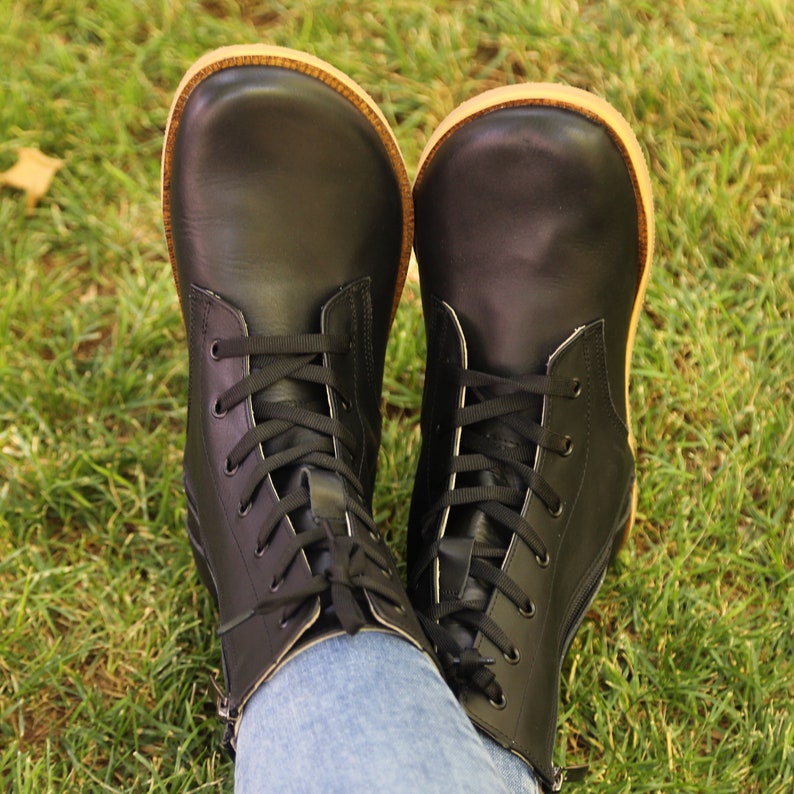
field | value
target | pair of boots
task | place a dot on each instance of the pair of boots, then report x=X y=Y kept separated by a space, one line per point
x=289 y=220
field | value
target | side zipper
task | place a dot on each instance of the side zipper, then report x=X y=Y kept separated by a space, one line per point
x=584 y=601
x=227 y=715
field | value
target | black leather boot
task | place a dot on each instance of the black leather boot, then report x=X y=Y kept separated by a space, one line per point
x=288 y=219
x=534 y=234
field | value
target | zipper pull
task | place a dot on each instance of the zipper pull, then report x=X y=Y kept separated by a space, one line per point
x=225 y=713
x=569 y=774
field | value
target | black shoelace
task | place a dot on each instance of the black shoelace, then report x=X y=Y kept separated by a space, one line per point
x=494 y=403
x=356 y=563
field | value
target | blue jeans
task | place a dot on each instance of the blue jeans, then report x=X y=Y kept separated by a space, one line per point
x=364 y=714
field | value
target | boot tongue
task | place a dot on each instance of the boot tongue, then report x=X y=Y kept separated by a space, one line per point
x=306 y=395
x=326 y=489
x=262 y=320
x=335 y=559
x=469 y=522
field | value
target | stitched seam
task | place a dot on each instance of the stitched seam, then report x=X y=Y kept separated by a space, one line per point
x=354 y=350
x=603 y=377
x=228 y=649
x=442 y=336
x=550 y=413
x=588 y=365
x=368 y=350
x=229 y=644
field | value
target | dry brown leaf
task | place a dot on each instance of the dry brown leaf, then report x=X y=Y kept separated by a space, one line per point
x=32 y=173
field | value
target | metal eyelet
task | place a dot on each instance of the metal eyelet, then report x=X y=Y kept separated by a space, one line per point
x=243 y=509
x=259 y=551
x=499 y=704
x=216 y=411
x=543 y=561
x=557 y=511
x=514 y=657
x=275 y=585
x=228 y=470
x=567 y=446
x=214 y=350
x=284 y=622
x=400 y=609
x=374 y=535
x=528 y=612
x=577 y=387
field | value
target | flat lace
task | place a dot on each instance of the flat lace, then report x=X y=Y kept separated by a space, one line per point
x=496 y=401
x=356 y=563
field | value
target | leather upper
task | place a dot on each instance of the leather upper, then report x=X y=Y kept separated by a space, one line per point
x=282 y=191
x=286 y=216
x=527 y=243
x=516 y=229
x=225 y=540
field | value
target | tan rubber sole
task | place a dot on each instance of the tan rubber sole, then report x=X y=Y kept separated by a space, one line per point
x=285 y=58
x=600 y=111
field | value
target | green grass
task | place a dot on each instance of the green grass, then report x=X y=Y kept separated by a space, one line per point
x=682 y=678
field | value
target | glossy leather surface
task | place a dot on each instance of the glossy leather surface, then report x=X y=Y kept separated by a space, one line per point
x=527 y=243
x=282 y=192
x=285 y=215
x=225 y=540
x=527 y=227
